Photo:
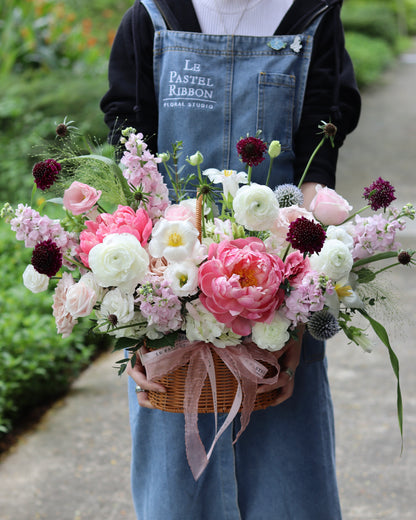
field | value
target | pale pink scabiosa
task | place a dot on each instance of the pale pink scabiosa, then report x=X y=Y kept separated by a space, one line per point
x=306 y=236
x=123 y=220
x=380 y=194
x=64 y=320
x=45 y=173
x=240 y=283
x=251 y=150
x=159 y=305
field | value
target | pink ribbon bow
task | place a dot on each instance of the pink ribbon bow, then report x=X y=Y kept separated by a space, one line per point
x=241 y=360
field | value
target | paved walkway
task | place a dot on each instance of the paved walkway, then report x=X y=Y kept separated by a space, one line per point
x=75 y=464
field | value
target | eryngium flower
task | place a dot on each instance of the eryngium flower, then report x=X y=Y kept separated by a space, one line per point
x=288 y=195
x=306 y=236
x=380 y=194
x=45 y=173
x=47 y=258
x=251 y=150
x=323 y=325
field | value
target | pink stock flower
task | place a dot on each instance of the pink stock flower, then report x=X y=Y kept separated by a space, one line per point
x=240 y=283
x=80 y=198
x=123 y=220
x=328 y=207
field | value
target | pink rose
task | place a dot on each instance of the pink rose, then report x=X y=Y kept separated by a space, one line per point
x=80 y=300
x=240 y=283
x=80 y=198
x=329 y=207
x=296 y=267
x=123 y=220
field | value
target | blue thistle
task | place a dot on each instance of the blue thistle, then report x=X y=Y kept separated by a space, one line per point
x=288 y=195
x=323 y=325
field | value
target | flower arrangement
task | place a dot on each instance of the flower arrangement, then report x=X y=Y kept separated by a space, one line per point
x=237 y=268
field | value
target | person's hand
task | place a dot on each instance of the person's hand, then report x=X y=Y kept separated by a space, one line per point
x=289 y=358
x=138 y=374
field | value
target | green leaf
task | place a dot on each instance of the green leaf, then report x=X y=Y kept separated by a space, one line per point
x=123 y=343
x=382 y=334
x=167 y=340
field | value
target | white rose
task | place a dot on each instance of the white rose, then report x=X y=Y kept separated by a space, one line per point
x=119 y=261
x=255 y=207
x=34 y=281
x=182 y=278
x=80 y=300
x=334 y=260
x=200 y=325
x=272 y=336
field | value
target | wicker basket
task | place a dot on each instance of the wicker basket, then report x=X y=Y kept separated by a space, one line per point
x=174 y=382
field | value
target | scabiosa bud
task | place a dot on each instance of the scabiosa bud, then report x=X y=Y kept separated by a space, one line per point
x=306 y=236
x=380 y=194
x=404 y=257
x=323 y=325
x=274 y=149
x=45 y=173
x=288 y=195
x=47 y=258
x=251 y=150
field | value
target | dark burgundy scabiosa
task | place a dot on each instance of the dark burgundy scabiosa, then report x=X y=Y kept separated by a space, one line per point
x=404 y=257
x=47 y=258
x=306 y=236
x=380 y=194
x=45 y=173
x=251 y=150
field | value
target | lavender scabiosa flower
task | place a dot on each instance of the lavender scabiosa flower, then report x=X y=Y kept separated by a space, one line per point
x=380 y=194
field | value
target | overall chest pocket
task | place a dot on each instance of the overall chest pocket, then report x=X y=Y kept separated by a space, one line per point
x=275 y=107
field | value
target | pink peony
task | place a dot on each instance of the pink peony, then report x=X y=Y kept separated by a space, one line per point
x=123 y=220
x=80 y=198
x=240 y=283
x=328 y=207
x=296 y=267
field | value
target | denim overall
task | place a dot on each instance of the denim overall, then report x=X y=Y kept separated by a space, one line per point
x=213 y=90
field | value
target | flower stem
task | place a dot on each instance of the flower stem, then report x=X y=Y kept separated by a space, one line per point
x=270 y=171
x=312 y=157
x=375 y=258
x=249 y=172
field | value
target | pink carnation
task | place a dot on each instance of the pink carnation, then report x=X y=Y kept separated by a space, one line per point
x=240 y=283
x=123 y=220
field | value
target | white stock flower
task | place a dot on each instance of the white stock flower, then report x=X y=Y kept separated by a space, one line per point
x=173 y=239
x=200 y=325
x=182 y=278
x=334 y=260
x=271 y=336
x=255 y=207
x=230 y=179
x=34 y=281
x=119 y=261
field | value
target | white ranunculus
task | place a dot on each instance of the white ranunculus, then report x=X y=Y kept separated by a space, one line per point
x=271 y=336
x=182 y=278
x=255 y=207
x=334 y=260
x=201 y=325
x=119 y=261
x=80 y=300
x=173 y=239
x=120 y=308
x=340 y=233
x=230 y=179
x=34 y=281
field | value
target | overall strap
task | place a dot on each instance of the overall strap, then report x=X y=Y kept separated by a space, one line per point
x=159 y=16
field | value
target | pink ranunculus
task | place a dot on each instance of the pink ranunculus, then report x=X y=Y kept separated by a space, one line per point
x=328 y=207
x=240 y=283
x=123 y=220
x=80 y=198
x=296 y=267
x=80 y=300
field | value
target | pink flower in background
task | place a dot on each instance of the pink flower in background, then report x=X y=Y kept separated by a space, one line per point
x=123 y=220
x=328 y=207
x=240 y=283
x=80 y=198
x=64 y=320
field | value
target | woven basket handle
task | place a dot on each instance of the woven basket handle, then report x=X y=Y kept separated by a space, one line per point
x=198 y=214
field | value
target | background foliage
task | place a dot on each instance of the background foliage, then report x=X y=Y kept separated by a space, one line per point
x=53 y=63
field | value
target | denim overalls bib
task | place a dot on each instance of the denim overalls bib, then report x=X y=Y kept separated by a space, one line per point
x=212 y=90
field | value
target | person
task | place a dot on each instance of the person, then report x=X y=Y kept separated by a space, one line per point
x=208 y=72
